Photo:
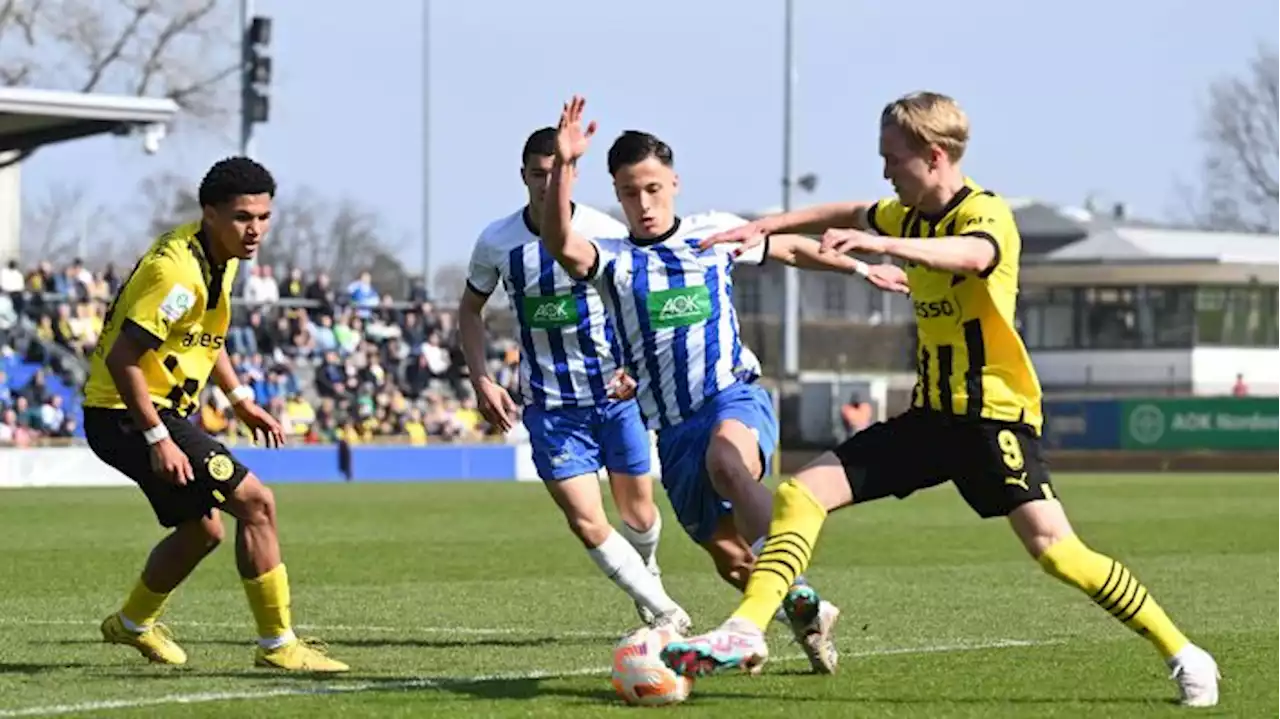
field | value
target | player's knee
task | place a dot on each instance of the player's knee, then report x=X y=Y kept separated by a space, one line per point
x=639 y=513
x=1040 y=525
x=590 y=529
x=207 y=532
x=258 y=505
x=725 y=464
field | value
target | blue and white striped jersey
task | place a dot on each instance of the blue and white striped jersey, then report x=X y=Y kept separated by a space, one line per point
x=672 y=307
x=568 y=352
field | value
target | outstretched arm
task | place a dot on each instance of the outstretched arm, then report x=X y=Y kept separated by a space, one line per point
x=807 y=254
x=575 y=253
x=975 y=254
x=961 y=254
x=809 y=221
x=818 y=218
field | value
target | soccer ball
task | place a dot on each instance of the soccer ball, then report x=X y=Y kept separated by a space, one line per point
x=639 y=676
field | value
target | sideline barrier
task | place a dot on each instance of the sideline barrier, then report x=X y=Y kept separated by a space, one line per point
x=1223 y=423
x=1164 y=424
x=292 y=465
x=468 y=463
x=78 y=467
x=1088 y=424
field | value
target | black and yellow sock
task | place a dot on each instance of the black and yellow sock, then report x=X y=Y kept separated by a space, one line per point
x=143 y=607
x=269 y=599
x=797 y=520
x=1114 y=588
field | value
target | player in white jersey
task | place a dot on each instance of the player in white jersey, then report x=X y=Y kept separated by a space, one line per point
x=672 y=308
x=569 y=376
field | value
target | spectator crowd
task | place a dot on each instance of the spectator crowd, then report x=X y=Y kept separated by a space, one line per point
x=353 y=363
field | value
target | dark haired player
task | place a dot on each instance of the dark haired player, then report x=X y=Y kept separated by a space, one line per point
x=568 y=367
x=671 y=304
x=163 y=336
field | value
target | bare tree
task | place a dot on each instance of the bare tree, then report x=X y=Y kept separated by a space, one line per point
x=448 y=282
x=168 y=200
x=308 y=231
x=341 y=239
x=179 y=49
x=1240 y=185
x=64 y=224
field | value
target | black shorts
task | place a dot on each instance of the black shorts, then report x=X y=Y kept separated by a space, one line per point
x=114 y=438
x=997 y=466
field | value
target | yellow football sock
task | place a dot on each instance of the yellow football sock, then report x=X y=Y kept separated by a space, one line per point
x=797 y=519
x=1114 y=588
x=269 y=599
x=143 y=607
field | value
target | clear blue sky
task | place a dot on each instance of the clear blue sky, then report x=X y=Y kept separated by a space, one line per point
x=1096 y=96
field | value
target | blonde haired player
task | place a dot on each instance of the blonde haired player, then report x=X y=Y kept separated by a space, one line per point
x=976 y=402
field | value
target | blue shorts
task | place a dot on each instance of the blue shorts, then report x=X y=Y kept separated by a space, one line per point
x=682 y=450
x=571 y=441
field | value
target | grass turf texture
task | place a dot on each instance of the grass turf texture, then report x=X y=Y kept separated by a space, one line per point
x=473 y=600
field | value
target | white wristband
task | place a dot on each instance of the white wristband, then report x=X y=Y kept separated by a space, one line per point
x=861 y=268
x=156 y=434
x=240 y=394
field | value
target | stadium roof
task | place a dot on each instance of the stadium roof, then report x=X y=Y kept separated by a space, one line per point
x=31 y=118
x=1147 y=245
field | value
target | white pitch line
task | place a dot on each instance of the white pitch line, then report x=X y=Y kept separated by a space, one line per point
x=477 y=631
x=442 y=682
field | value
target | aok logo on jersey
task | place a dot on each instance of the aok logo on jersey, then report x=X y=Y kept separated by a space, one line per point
x=546 y=313
x=678 y=306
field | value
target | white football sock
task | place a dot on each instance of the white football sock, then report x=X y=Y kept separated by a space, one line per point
x=646 y=542
x=277 y=642
x=622 y=563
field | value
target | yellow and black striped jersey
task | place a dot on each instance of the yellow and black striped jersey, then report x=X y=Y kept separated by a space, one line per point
x=177 y=304
x=971 y=360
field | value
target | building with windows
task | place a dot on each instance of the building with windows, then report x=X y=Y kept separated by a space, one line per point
x=1178 y=311
x=1109 y=304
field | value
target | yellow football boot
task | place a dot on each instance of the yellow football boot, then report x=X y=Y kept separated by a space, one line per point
x=299 y=655
x=156 y=644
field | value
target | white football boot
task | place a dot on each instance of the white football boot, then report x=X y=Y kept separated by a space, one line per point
x=1197 y=676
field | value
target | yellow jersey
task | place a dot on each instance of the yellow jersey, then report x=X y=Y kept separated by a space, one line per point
x=971 y=361
x=177 y=304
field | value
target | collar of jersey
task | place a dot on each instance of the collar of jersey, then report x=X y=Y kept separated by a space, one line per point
x=214 y=274
x=528 y=219
x=934 y=218
x=675 y=227
x=206 y=252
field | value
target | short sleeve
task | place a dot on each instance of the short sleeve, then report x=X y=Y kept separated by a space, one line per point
x=597 y=225
x=157 y=297
x=725 y=221
x=990 y=218
x=885 y=217
x=482 y=271
x=607 y=251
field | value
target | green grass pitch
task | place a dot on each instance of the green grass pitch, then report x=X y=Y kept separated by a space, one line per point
x=473 y=600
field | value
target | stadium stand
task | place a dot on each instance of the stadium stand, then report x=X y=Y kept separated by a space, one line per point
x=350 y=363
